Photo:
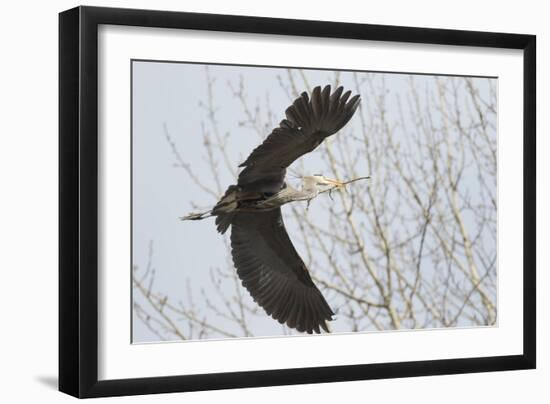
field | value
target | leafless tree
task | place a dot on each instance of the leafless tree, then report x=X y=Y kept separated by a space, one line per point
x=413 y=247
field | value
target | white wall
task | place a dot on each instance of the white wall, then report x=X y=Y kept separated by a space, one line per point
x=28 y=202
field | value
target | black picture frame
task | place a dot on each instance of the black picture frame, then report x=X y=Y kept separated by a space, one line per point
x=78 y=200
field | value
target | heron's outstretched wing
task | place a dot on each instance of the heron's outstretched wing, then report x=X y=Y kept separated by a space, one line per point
x=272 y=271
x=308 y=122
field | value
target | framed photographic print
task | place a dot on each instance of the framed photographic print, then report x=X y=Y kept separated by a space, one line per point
x=250 y=201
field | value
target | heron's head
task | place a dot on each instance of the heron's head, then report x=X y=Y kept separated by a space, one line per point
x=321 y=180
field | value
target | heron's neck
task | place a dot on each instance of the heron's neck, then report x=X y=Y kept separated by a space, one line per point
x=309 y=190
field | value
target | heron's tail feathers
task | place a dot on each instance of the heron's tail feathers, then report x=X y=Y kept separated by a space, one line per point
x=223 y=221
x=225 y=208
x=325 y=112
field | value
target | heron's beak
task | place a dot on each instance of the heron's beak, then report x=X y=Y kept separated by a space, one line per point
x=335 y=183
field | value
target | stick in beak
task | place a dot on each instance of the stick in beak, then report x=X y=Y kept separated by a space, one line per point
x=335 y=183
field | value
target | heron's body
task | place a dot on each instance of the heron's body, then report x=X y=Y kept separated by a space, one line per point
x=266 y=261
x=238 y=200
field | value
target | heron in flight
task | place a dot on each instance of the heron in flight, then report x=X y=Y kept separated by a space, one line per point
x=266 y=261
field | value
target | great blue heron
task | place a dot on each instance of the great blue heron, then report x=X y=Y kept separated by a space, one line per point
x=266 y=261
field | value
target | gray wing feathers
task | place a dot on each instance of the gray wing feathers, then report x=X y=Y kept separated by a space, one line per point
x=274 y=274
x=308 y=122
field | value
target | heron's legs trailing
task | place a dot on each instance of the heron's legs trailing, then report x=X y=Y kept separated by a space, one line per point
x=197 y=215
